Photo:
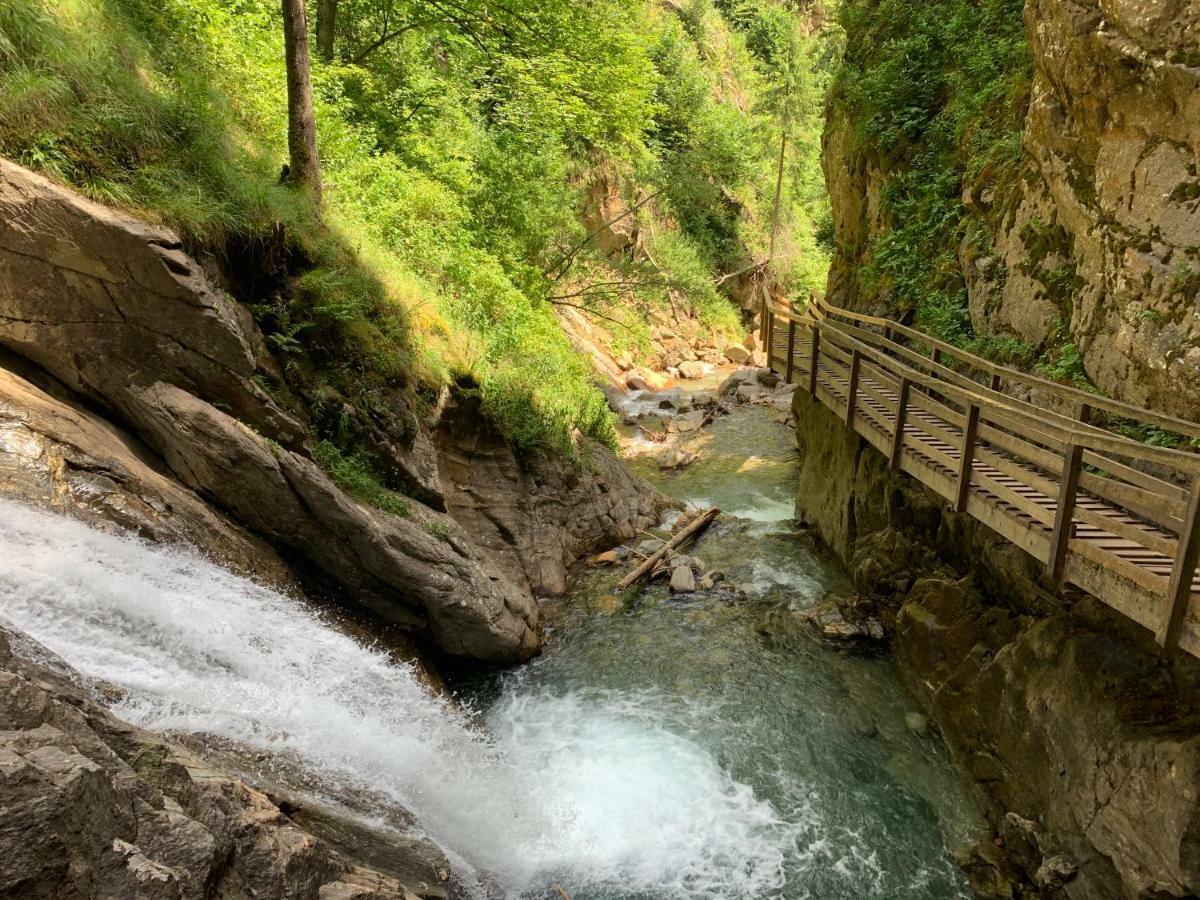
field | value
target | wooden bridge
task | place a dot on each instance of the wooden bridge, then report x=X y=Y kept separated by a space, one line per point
x=1023 y=455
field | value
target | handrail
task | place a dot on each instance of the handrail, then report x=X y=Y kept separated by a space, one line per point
x=1095 y=401
x=1065 y=428
x=1100 y=518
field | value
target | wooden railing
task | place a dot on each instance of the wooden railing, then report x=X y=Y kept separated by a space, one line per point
x=1116 y=517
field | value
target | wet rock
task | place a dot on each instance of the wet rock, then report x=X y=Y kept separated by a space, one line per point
x=736 y=353
x=748 y=393
x=91 y=806
x=767 y=378
x=1054 y=872
x=609 y=604
x=989 y=871
x=916 y=723
x=535 y=513
x=648 y=546
x=677 y=458
x=683 y=581
x=695 y=370
x=687 y=422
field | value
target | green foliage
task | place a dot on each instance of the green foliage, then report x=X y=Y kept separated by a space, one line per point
x=457 y=142
x=936 y=93
x=355 y=476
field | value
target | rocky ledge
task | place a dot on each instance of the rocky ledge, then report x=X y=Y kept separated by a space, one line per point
x=91 y=806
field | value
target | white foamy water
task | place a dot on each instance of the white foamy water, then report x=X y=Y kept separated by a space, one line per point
x=592 y=791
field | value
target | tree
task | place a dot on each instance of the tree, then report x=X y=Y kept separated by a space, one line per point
x=327 y=11
x=304 y=164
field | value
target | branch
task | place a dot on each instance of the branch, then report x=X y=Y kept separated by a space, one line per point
x=612 y=287
x=562 y=266
x=387 y=38
x=742 y=271
x=590 y=312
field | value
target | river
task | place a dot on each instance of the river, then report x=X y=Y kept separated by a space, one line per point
x=697 y=747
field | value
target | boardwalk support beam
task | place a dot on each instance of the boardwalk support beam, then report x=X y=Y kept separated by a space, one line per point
x=852 y=392
x=970 y=431
x=901 y=416
x=813 y=365
x=1179 y=590
x=1064 y=517
x=791 y=351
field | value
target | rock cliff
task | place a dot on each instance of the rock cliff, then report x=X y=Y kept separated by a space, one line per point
x=136 y=391
x=1082 y=744
x=1095 y=242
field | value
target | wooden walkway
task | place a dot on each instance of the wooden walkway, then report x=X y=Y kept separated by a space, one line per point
x=1113 y=516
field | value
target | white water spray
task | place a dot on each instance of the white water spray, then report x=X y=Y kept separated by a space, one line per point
x=592 y=791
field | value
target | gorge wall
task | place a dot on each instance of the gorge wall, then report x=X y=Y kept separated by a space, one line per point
x=1086 y=241
x=1082 y=745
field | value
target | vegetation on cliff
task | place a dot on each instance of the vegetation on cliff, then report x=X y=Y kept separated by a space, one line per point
x=458 y=141
x=937 y=95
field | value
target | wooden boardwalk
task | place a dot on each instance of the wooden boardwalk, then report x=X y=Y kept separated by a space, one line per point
x=1113 y=516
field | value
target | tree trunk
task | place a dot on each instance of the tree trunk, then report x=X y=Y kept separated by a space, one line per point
x=305 y=166
x=326 y=28
x=778 y=191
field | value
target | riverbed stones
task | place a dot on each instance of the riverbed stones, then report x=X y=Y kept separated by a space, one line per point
x=677 y=458
x=736 y=353
x=683 y=580
x=694 y=371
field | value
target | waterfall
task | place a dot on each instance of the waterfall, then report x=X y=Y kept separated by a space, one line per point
x=592 y=791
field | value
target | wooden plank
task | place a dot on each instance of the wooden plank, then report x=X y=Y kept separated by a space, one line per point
x=791 y=351
x=966 y=459
x=852 y=387
x=1135 y=476
x=1179 y=590
x=1064 y=525
x=814 y=356
x=898 y=425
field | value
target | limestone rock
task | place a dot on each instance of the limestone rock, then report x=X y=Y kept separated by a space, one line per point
x=683 y=580
x=736 y=353
x=534 y=514
x=393 y=565
x=93 y=807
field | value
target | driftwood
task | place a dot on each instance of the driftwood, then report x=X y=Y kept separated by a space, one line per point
x=648 y=564
x=561 y=892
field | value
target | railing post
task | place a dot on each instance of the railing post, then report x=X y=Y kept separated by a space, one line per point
x=901 y=416
x=812 y=360
x=996 y=381
x=887 y=332
x=970 y=430
x=852 y=386
x=1183 y=571
x=937 y=356
x=1064 y=517
x=791 y=361
x=770 y=336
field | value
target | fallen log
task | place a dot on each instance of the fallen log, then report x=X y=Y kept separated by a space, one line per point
x=648 y=564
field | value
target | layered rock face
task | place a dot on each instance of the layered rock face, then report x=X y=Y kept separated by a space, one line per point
x=136 y=392
x=1100 y=246
x=1082 y=744
x=93 y=807
x=537 y=514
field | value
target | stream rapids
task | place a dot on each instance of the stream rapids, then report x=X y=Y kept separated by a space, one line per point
x=662 y=748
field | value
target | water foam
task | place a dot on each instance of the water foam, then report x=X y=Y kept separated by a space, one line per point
x=592 y=790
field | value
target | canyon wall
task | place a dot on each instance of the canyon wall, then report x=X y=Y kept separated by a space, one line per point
x=1095 y=241
x=1082 y=745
